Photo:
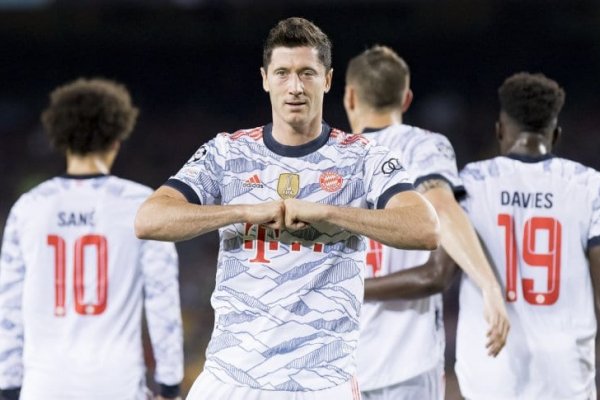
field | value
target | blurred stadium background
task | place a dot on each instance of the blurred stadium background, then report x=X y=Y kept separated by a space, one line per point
x=193 y=69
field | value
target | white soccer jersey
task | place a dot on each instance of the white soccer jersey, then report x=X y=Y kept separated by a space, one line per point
x=401 y=339
x=536 y=219
x=73 y=280
x=287 y=303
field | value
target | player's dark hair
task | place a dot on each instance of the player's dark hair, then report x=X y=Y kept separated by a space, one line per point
x=89 y=115
x=380 y=77
x=297 y=32
x=532 y=100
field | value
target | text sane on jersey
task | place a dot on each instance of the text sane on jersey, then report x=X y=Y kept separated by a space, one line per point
x=76 y=218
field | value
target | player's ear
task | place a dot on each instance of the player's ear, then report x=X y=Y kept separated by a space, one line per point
x=328 y=79
x=407 y=101
x=265 y=82
x=556 y=135
x=499 y=134
x=349 y=98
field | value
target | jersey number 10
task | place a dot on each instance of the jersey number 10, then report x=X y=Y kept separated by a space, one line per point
x=97 y=241
x=549 y=260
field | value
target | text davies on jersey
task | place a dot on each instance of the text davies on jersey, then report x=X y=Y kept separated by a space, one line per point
x=526 y=200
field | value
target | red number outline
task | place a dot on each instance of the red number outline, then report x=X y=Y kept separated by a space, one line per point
x=374 y=257
x=81 y=307
x=550 y=260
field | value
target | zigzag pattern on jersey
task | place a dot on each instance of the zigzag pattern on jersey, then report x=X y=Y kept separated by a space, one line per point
x=346 y=139
x=569 y=170
x=316 y=321
x=286 y=315
x=233 y=187
x=495 y=167
x=419 y=149
x=253 y=133
x=159 y=308
x=62 y=193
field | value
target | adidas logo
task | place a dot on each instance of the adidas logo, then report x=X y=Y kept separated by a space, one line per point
x=253 y=182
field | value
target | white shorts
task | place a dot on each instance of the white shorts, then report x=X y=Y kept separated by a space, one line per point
x=33 y=394
x=208 y=387
x=590 y=396
x=430 y=385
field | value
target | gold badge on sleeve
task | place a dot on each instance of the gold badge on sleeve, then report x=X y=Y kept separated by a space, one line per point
x=288 y=185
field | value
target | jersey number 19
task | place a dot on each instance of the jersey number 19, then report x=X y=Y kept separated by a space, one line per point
x=550 y=259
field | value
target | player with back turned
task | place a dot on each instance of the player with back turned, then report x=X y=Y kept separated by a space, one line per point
x=401 y=349
x=73 y=276
x=538 y=216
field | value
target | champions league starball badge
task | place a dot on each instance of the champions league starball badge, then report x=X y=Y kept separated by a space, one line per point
x=199 y=154
x=288 y=185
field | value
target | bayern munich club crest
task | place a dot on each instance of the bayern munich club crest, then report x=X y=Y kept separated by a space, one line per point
x=331 y=181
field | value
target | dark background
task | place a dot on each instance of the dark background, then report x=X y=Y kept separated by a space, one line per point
x=193 y=68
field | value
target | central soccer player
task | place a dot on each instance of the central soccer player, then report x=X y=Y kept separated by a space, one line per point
x=294 y=201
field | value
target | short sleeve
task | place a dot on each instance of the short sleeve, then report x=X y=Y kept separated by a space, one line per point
x=199 y=179
x=465 y=176
x=385 y=176
x=434 y=158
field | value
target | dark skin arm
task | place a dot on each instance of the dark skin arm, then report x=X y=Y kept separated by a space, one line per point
x=435 y=276
x=594 y=258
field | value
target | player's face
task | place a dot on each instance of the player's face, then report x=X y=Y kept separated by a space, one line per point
x=297 y=82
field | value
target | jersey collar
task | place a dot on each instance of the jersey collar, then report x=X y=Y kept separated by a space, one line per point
x=295 y=151
x=82 y=176
x=530 y=159
x=371 y=130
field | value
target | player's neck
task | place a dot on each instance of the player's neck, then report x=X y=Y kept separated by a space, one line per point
x=295 y=135
x=88 y=164
x=375 y=120
x=530 y=144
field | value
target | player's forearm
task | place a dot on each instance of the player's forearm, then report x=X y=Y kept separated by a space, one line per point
x=413 y=283
x=434 y=276
x=165 y=218
x=594 y=260
x=406 y=226
x=459 y=240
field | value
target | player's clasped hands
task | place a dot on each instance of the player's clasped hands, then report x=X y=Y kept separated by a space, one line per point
x=290 y=214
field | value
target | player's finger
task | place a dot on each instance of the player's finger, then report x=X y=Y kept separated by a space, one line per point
x=493 y=347
x=289 y=218
x=494 y=342
x=297 y=225
x=275 y=224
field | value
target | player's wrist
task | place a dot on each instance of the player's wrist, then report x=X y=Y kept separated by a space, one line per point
x=491 y=290
x=241 y=213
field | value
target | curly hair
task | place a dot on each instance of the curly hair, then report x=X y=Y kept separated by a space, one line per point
x=380 y=76
x=532 y=100
x=89 y=115
x=297 y=32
